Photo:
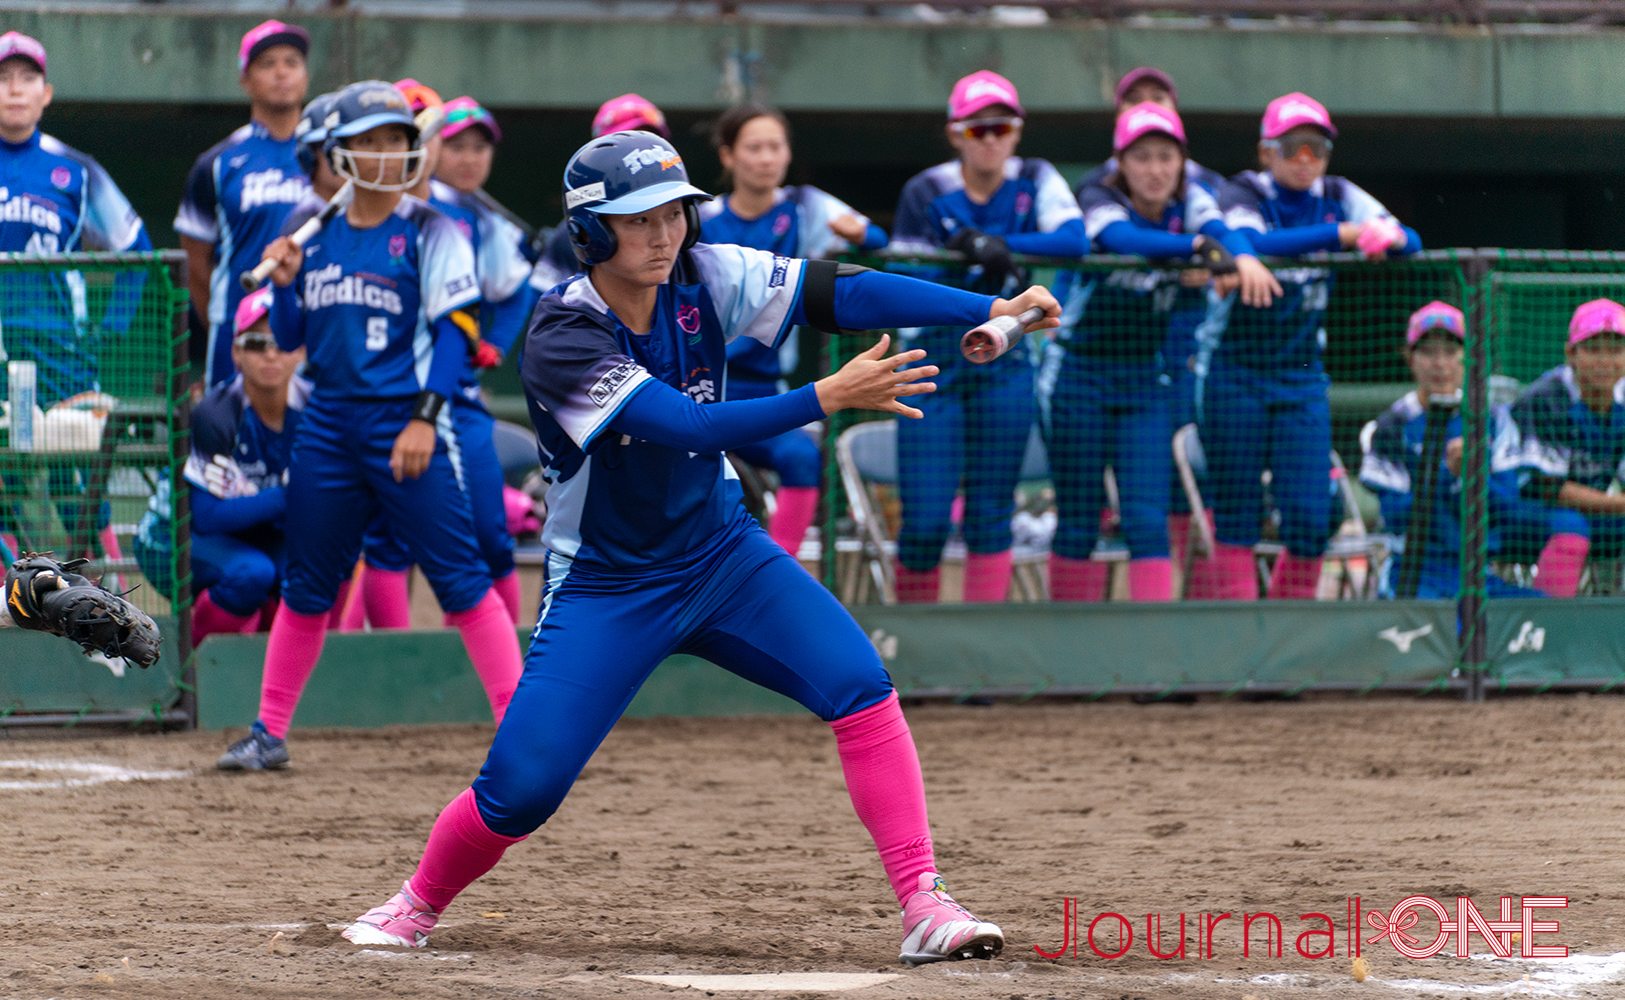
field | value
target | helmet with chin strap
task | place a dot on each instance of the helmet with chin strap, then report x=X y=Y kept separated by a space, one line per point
x=364 y=106
x=624 y=173
x=311 y=130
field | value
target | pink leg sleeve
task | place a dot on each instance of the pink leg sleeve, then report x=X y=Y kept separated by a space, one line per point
x=1561 y=561
x=1231 y=575
x=987 y=576
x=1294 y=578
x=384 y=592
x=1151 y=579
x=109 y=540
x=337 y=614
x=883 y=777
x=918 y=586
x=461 y=849
x=209 y=618
x=507 y=588
x=290 y=655
x=796 y=507
x=488 y=635
x=1077 y=579
x=355 y=611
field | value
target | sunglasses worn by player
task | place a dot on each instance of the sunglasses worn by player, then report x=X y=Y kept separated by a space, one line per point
x=981 y=128
x=255 y=343
x=1290 y=147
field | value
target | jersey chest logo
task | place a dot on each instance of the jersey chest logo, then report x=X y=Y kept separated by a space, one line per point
x=781 y=225
x=688 y=321
x=61 y=178
x=329 y=286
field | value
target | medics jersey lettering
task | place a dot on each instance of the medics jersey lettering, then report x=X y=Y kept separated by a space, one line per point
x=1124 y=315
x=370 y=298
x=1563 y=438
x=625 y=504
x=1290 y=333
x=1033 y=199
x=237 y=196
x=55 y=199
x=796 y=226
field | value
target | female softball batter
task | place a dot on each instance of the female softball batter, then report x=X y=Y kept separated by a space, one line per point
x=371 y=297
x=753 y=143
x=1264 y=398
x=651 y=551
x=1104 y=379
x=988 y=203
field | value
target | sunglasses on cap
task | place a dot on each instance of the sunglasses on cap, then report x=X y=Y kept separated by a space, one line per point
x=1290 y=147
x=981 y=128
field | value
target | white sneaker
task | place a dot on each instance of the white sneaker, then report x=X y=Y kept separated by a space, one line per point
x=937 y=929
x=403 y=921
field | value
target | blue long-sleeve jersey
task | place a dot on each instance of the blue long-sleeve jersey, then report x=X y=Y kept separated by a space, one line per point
x=237 y=465
x=796 y=226
x=1563 y=440
x=55 y=199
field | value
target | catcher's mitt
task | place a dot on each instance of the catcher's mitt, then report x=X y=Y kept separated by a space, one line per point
x=48 y=596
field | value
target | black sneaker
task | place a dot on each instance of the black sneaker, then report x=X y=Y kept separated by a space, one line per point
x=258 y=751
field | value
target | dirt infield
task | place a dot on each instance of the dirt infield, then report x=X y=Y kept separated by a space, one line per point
x=728 y=846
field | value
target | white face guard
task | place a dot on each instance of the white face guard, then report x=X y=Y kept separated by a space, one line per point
x=413 y=162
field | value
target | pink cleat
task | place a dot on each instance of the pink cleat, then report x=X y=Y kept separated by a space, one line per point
x=403 y=921
x=937 y=929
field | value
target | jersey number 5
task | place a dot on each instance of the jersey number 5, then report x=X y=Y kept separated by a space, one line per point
x=377 y=332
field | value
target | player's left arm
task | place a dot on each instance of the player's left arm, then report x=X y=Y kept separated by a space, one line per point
x=447 y=282
x=110 y=222
x=1362 y=208
x=1059 y=220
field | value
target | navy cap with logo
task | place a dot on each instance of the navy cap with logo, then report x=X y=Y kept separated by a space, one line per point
x=620 y=174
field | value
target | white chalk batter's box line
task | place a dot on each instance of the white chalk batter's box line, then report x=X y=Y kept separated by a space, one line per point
x=94 y=774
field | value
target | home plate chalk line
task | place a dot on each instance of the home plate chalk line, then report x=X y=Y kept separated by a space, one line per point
x=89 y=774
x=828 y=982
x=1534 y=977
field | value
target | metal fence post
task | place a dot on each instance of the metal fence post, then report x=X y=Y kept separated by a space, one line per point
x=180 y=422
x=1477 y=267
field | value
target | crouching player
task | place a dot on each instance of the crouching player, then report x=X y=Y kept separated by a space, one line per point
x=370 y=297
x=651 y=551
x=1572 y=425
x=1435 y=341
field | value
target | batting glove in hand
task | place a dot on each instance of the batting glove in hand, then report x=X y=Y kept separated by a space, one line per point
x=990 y=252
x=48 y=596
x=1213 y=255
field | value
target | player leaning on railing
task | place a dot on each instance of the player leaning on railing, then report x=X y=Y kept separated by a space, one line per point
x=1107 y=397
x=753 y=142
x=1264 y=403
x=650 y=549
x=987 y=203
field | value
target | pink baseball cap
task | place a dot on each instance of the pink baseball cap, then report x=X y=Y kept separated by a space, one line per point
x=979 y=90
x=1143 y=73
x=255 y=306
x=1288 y=112
x=465 y=113
x=419 y=95
x=1435 y=316
x=263 y=36
x=628 y=112
x=1144 y=119
x=1597 y=316
x=15 y=43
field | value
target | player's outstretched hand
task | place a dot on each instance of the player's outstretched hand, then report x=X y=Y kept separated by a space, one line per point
x=1036 y=297
x=288 y=255
x=413 y=449
x=871 y=381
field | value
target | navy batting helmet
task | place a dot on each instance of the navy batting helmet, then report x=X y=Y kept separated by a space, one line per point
x=620 y=174
x=312 y=130
x=364 y=106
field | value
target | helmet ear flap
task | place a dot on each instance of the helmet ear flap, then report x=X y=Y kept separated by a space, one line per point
x=691 y=215
x=592 y=241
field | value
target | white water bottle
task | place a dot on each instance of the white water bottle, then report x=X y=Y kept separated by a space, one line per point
x=21 y=379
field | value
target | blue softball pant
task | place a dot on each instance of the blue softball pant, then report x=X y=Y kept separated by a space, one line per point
x=473 y=457
x=239 y=576
x=975 y=430
x=1281 y=421
x=1524 y=526
x=794 y=455
x=339 y=482
x=744 y=604
x=1440 y=580
x=1104 y=413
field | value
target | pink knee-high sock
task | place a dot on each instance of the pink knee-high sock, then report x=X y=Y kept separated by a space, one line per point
x=1231 y=575
x=336 y=614
x=355 y=612
x=1206 y=580
x=1179 y=535
x=1077 y=579
x=109 y=540
x=461 y=849
x=493 y=647
x=1294 y=578
x=1151 y=579
x=384 y=592
x=883 y=777
x=987 y=576
x=290 y=655
x=794 y=515
x=209 y=618
x=1561 y=561
x=507 y=588
x=916 y=586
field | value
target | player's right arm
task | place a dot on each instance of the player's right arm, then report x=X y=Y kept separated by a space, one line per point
x=223 y=499
x=1386 y=470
